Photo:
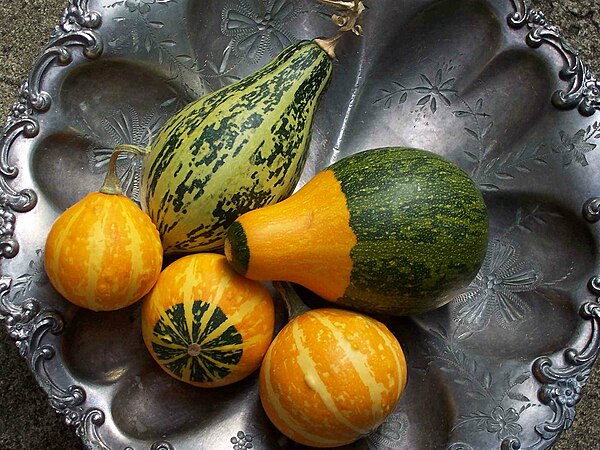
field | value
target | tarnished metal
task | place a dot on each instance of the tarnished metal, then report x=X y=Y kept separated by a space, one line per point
x=486 y=83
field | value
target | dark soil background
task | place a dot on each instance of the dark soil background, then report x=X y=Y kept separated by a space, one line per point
x=26 y=419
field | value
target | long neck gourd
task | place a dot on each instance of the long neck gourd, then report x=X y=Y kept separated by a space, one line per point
x=239 y=148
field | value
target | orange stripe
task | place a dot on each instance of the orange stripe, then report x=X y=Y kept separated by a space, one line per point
x=359 y=362
x=315 y=382
x=130 y=252
x=279 y=414
x=332 y=374
x=58 y=236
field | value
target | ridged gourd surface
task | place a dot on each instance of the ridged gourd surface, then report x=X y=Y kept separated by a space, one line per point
x=206 y=325
x=331 y=376
x=103 y=253
x=242 y=147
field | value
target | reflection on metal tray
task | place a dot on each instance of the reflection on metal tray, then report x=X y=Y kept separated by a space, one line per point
x=501 y=366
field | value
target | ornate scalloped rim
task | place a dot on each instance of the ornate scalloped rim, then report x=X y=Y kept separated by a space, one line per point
x=573 y=375
x=583 y=91
x=28 y=323
x=75 y=30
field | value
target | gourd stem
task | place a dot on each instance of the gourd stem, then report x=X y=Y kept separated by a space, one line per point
x=295 y=305
x=112 y=184
x=329 y=44
x=346 y=20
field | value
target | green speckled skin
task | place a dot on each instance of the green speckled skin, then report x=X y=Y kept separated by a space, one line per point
x=237 y=149
x=421 y=227
x=216 y=356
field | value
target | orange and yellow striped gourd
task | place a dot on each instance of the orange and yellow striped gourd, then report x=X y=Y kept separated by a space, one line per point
x=331 y=377
x=104 y=253
x=205 y=324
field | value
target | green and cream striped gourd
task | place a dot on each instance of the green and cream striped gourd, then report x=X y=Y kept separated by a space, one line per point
x=237 y=149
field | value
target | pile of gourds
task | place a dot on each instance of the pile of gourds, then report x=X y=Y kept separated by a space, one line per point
x=391 y=231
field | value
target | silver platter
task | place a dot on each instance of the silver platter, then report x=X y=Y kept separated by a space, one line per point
x=486 y=83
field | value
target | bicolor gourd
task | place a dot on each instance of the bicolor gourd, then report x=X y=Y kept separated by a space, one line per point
x=390 y=230
x=206 y=325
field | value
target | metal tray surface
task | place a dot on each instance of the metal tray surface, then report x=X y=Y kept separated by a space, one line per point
x=487 y=83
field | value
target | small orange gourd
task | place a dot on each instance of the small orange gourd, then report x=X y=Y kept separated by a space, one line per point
x=104 y=253
x=206 y=325
x=331 y=376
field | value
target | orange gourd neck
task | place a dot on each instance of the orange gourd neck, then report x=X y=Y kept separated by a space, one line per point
x=112 y=184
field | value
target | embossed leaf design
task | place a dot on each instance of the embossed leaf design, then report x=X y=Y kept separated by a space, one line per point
x=256 y=30
x=493 y=293
x=511 y=164
x=35 y=276
x=445 y=351
x=221 y=70
x=575 y=148
x=125 y=126
x=488 y=172
x=462 y=369
x=390 y=435
x=441 y=89
x=141 y=6
x=152 y=37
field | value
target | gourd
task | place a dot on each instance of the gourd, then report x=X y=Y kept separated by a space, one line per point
x=390 y=230
x=239 y=148
x=206 y=325
x=103 y=253
x=331 y=377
